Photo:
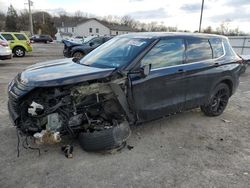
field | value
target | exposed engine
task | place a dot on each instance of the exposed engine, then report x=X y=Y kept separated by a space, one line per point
x=48 y=113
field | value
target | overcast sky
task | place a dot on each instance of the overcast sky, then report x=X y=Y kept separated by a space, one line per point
x=181 y=13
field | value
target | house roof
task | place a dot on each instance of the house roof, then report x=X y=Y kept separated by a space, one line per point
x=119 y=27
x=111 y=26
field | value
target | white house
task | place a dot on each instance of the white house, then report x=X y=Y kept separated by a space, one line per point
x=93 y=26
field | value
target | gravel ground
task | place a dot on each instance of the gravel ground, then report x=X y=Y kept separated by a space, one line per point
x=185 y=150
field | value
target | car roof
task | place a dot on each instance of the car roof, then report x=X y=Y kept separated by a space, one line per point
x=156 y=35
x=11 y=32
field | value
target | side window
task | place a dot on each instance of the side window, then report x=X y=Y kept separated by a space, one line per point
x=198 y=50
x=8 y=36
x=96 y=41
x=20 y=36
x=167 y=52
x=217 y=47
x=228 y=48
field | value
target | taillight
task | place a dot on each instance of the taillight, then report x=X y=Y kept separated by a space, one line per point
x=241 y=60
x=28 y=42
x=4 y=43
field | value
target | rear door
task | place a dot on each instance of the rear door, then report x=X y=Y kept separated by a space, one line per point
x=201 y=68
x=23 y=41
x=163 y=90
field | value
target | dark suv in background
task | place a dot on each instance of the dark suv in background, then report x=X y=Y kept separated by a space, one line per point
x=130 y=79
x=41 y=38
x=77 y=50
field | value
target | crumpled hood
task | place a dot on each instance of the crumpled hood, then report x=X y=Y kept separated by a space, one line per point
x=60 y=72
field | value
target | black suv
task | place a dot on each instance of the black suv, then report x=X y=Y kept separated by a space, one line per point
x=41 y=38
x=77 y=50
x=130 y=79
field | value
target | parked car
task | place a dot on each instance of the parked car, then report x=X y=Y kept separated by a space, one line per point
x=5 y=51
x=130 y=79
x=19 y=43
x=76 y=39
x=41 y=38
x=79 y=50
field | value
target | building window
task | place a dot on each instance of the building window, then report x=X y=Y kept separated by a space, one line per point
x=73 y=29
x=97 y=30
x=90 y=30
x=116 y=32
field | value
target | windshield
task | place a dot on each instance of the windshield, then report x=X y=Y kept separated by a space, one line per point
x=115 y=53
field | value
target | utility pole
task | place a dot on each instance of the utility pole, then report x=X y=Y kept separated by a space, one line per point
x=202 y=6
x=30 y=3
x=43 y=18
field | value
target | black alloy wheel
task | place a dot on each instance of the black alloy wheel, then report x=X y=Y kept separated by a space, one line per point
x=218 y=101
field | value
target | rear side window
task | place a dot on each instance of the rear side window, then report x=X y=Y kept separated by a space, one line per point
x=167 y=52
x=20 y=37
x=8 y=36
x=228 y=48
x=198 y=50
x=217 y=47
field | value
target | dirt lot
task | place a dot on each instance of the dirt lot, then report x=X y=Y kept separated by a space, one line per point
x=185 y=150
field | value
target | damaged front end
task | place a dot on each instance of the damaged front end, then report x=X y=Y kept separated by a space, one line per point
x=49 y=113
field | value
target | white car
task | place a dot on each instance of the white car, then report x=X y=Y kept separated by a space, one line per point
x=81 y=40
x=5 y=51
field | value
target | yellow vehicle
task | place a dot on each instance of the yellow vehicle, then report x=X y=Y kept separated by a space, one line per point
x=19 y=43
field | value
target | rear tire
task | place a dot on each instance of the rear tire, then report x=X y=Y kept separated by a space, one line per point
x=19 y=51
x=217 y=101
x=106 y=139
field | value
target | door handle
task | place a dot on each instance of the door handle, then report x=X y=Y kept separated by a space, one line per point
x=216 y=64
x=181 y=70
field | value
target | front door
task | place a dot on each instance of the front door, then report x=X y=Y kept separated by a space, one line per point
x=10 y=39
x=163 y=91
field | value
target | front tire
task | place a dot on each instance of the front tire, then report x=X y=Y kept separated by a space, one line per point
x=19 y=51
x=106 y=139
x=217 y=101
x=78 y=55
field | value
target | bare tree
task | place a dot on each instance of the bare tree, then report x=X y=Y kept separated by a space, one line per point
x=128 y=21
x=11 y=19
x=2 y=21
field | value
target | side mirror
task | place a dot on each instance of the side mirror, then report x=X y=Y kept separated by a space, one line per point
x=146 y=70
x=91 y=43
